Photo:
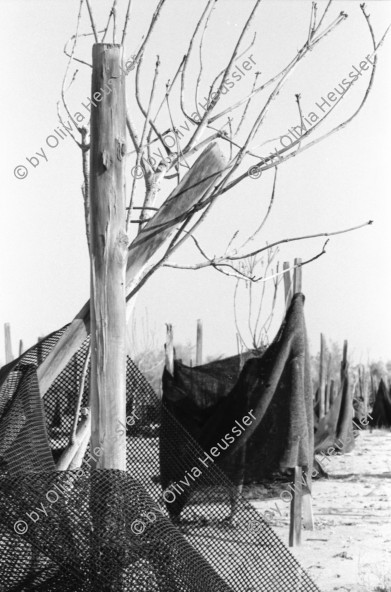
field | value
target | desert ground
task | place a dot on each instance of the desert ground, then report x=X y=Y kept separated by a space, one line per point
x=349 y=549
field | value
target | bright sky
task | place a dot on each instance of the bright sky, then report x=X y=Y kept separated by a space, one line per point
x=341 y=182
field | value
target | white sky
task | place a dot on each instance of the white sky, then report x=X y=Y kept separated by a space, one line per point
x=339 y=183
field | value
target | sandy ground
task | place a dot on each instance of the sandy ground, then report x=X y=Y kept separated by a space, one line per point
x=350 y=546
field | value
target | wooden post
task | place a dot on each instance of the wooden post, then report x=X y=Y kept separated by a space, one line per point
x=199 y=343
x=322 y=376
x=169 y=349
x=326 y=398
x=21 y=347
x=8 y=343
x=344 y=358
x=297 y=276
x=301 y=501
x=332 y=392
x=109 y=245
x=296 y=503
x=287 y=284
x=365 y=386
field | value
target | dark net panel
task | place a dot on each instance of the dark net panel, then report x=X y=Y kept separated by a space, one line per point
x=272 y=394
x=335 y=429
x=89 y=530
x=60 y=401
x=223 y=526
x=24 y=443
x=381 y=413
x=79 y=537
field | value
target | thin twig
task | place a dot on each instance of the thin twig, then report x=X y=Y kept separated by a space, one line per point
x=142 y=146
x=143 y=111
x=71 y=57
x=109 y=19
x=200 y=55
x=187 y=57
x=284 y=71
x=126 y=23
x=205 y=119
x=71 y=39
x=304 y=237
x=315 y=9
x=92 y=21
x=154 y=19
x=323 y=16
x=241 y=275
x=236 y=59
x=247 y=105
x=218 y=261
x=310 y=28
x=263 y=167
x=177 y=175
x=169 y=87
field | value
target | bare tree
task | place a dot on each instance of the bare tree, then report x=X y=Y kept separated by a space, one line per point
x=165 y=217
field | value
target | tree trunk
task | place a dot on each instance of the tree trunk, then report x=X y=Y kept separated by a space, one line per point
x=189 y=192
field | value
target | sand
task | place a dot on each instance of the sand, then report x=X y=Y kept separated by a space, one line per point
x=350 y=546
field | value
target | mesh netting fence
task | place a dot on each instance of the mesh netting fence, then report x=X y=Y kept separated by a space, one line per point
x=86 y=530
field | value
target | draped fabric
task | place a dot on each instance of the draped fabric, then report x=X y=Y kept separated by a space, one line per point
x=335 y=429
x=260 y=420
x=381 y=413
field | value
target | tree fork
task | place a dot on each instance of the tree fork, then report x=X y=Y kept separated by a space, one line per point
x=109 y=244
x=156 y=232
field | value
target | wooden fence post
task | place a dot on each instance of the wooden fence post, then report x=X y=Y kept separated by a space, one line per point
x=344 y=357
x=296 y=502
x=322 y=376
x=108 y=249
x=364 y=383
x=199 y=343
x=296 y=507
x=300 y=501
x=8 y=343
x=169 y=349
x=287 y=284
x=332 y=392
x=297 y=276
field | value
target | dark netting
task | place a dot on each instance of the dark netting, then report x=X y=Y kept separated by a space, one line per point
x=204 y=386
x=97 y=530
x=335 y=429
x=260 y=423
x=24 y=445
x=381 y=413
